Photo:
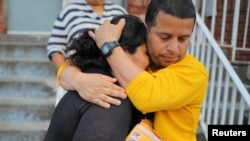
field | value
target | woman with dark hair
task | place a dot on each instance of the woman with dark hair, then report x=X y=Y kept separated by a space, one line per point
x=77 y=119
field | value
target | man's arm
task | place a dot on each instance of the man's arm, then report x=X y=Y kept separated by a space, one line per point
x=109 y=32
x=124 y=76
x=95 y=88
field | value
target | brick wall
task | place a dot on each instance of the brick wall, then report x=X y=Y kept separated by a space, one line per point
x=2 y=19
x=240 y=55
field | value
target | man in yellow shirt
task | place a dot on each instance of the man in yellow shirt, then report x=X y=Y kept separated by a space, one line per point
x=174 y=87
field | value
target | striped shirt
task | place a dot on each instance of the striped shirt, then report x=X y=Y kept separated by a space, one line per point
x=73 y=18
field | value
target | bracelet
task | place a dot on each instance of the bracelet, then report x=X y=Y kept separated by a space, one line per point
x=59 y=71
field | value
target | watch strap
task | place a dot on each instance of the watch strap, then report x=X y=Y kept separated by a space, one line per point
x=108 y=47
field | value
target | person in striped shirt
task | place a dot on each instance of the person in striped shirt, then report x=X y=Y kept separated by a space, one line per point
x=72 y=19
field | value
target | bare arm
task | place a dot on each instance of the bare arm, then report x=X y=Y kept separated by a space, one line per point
x=110 y=32
x=57 y=59
x=95 y=88
x=124 y=76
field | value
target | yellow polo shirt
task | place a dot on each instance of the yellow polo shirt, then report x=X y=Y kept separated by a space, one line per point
x=175 y=94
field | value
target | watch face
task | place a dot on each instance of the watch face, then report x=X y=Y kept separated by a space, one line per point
x=105 y=50
x=108 y=47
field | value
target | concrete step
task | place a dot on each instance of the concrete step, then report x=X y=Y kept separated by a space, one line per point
x=27 y=101
x=27 y=87
x=200 y=137
x=20 y=51
x=26 y=109
x=24 y=78
x=27 y=79
x=26 y=67
x=23 y=39
x=15 y=126
x=25 y=119
x=23 y=131
x=19 y=46
x=242 y=70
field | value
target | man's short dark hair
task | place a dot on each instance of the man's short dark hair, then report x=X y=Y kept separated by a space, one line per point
x=178 y=8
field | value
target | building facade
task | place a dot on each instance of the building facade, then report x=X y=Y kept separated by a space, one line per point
x=42 y=15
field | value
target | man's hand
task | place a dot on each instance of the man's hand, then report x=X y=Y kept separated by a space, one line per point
x=107 y=32
x=95 y=88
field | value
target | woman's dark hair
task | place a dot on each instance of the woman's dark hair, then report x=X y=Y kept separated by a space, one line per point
x=134 y=32
x=84 y=53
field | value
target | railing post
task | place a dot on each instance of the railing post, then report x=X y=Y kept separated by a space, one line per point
x=224 y=16
x=246 y=25
x=214 y=9
x=235 y=28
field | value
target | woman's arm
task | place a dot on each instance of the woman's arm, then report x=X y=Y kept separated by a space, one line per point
x=95 y=88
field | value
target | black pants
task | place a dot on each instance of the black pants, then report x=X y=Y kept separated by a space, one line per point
x=77 y=120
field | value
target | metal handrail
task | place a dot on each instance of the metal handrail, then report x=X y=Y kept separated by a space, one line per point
x=227 y=100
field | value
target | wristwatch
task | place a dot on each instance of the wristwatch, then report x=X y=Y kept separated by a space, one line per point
x=108 y=47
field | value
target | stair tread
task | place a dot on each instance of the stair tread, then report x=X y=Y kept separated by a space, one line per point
x=24 y=125
x=24 y=39
x=16 y=59
x=18 y=53
x=27 y=101
x=48 y=79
